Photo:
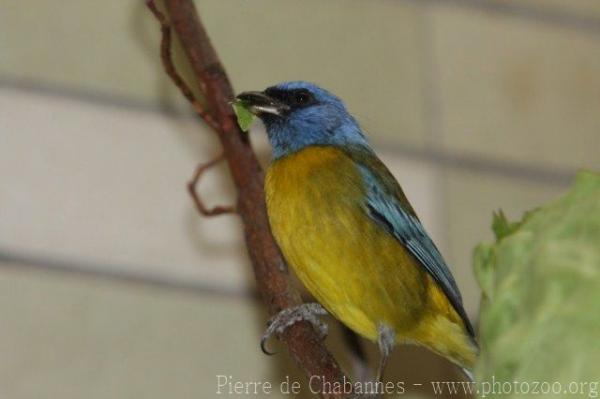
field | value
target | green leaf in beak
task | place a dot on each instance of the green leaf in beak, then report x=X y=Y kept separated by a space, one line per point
x=244 y=116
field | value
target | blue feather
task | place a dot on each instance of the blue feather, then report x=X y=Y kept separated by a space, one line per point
x=387 y=206
x=326 y=122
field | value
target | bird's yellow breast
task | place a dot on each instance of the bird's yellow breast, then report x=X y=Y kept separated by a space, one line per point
x=355 y=269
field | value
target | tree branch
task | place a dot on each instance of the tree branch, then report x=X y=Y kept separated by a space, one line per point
x=304 y=344
x=167 y=61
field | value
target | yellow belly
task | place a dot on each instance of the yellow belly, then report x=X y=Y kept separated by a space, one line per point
x=358 y=272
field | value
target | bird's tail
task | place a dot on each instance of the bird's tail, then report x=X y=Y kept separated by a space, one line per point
x=452 y=341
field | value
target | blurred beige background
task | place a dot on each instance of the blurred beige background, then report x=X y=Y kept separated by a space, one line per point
x=112 y=286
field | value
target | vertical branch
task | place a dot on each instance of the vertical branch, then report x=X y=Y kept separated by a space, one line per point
x=303 y=342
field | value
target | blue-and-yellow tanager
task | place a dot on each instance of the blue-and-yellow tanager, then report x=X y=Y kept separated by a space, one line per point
x=348 y=231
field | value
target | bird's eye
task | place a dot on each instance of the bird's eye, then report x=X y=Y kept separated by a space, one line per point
x=302 y=97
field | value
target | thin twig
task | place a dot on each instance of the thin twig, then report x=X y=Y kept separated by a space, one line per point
x=167 y=61
x=193 y=185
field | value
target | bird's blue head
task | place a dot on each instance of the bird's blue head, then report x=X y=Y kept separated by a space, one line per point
x=300 y=114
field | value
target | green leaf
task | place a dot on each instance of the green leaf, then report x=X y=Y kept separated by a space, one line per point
x=541 y=292
x=501 y=226
x=245 y=118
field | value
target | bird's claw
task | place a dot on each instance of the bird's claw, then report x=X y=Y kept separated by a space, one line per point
x=279 y=323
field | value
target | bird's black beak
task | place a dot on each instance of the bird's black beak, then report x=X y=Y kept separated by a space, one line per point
x=259 y=103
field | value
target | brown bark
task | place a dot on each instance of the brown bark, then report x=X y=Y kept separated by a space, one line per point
x=304 y=344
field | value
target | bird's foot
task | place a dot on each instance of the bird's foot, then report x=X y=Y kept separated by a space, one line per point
x=386 y=338
x=306 y=312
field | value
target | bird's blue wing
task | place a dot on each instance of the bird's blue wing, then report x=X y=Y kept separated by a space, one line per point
x=387 y=205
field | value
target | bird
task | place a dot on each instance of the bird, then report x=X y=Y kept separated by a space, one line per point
x=345 y=226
